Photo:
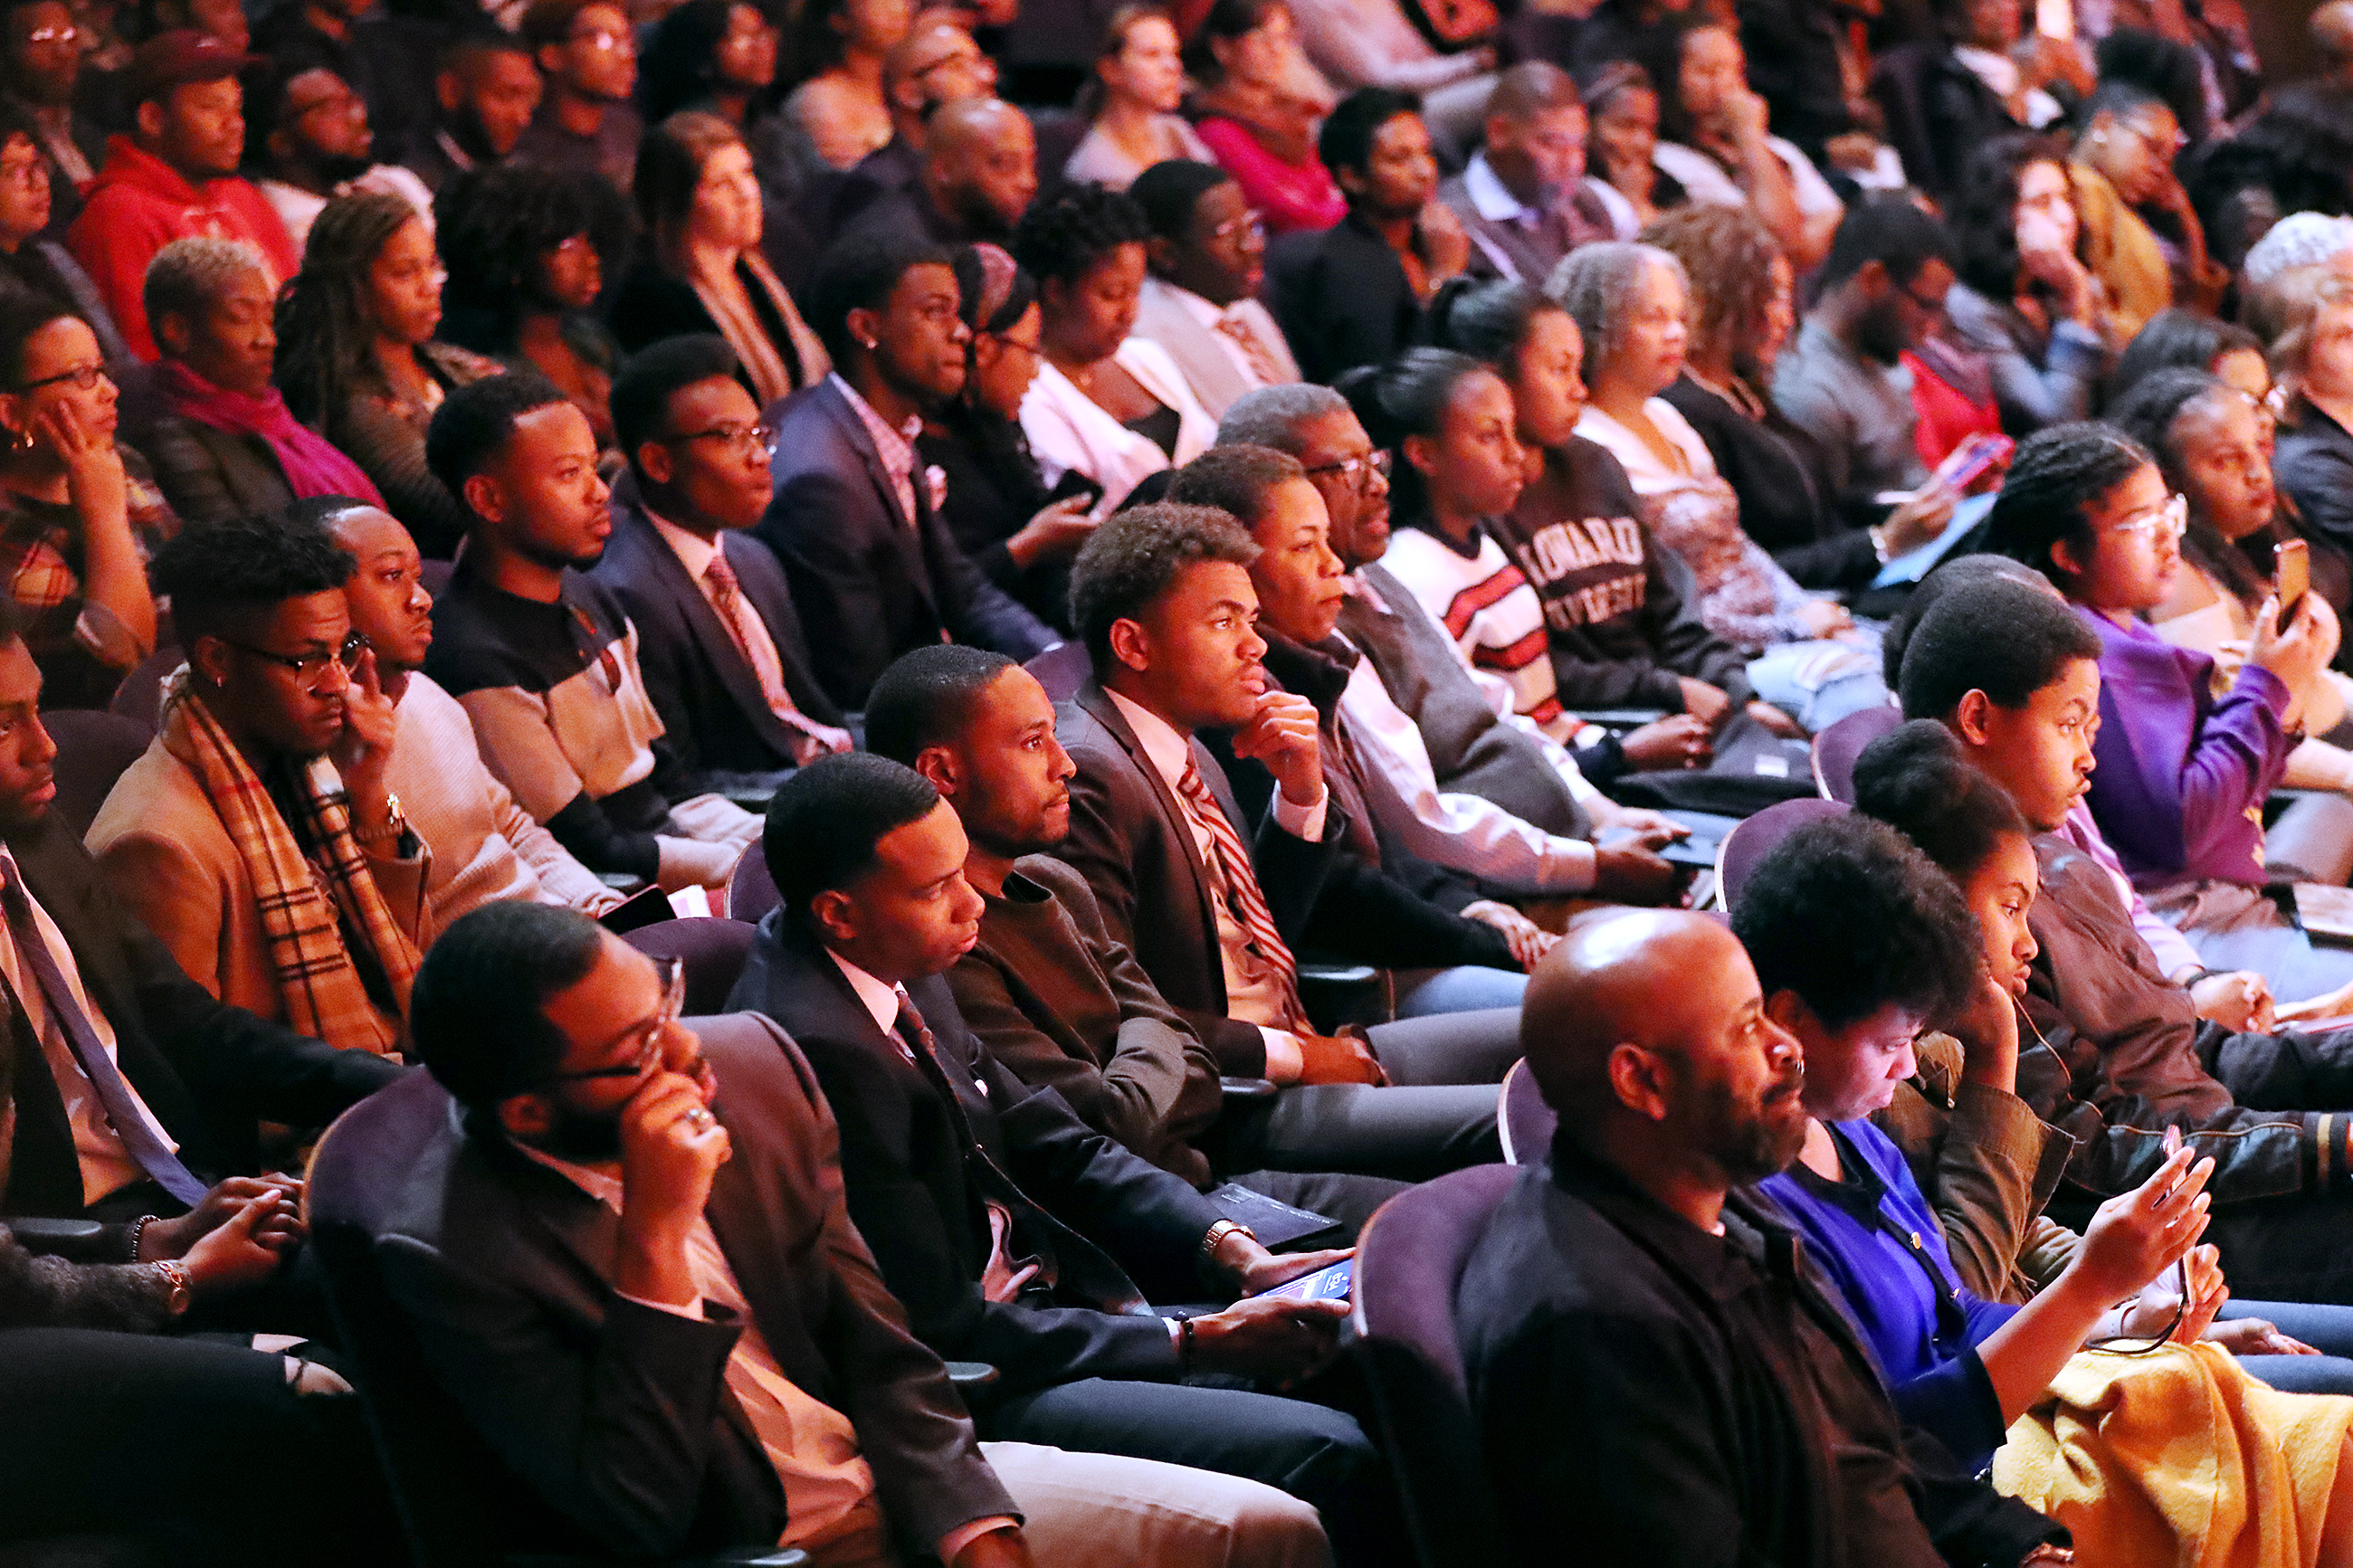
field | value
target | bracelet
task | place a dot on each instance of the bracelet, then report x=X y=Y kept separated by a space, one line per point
x=138 y=1233
x=1878 y=536
x=1218 y=1233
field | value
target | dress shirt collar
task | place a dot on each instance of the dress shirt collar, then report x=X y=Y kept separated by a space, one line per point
x=1199 y=308
x=879 y=998
x=1360 y=587
x=896 y=447
x=694 y=552
x=1492 y=197
x=1723 y=1266
x=1169 y=751
x=599 y=1184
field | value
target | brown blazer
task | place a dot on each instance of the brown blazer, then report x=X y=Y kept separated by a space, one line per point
x=166 y=855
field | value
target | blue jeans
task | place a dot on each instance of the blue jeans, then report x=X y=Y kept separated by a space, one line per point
x=1820 y=683
x=1466 y=988
x=2328 y=1329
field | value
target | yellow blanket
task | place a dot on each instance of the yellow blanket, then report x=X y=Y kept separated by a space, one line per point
x=2180 y=1458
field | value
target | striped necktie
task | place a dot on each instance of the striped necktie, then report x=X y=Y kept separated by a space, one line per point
x=1237 y=882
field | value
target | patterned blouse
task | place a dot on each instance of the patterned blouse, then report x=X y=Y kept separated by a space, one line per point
x=82 y=650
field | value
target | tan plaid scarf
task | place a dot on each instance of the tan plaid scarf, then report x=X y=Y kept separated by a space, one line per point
x=325 y=997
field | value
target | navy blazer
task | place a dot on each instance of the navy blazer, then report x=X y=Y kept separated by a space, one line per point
x=869 y=587
x=714 y=715
x=921 y=1169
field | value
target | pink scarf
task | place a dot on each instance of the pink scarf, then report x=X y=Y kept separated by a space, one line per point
x=313 y=466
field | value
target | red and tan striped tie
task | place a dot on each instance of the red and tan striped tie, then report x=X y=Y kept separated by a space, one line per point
x=1237 y=882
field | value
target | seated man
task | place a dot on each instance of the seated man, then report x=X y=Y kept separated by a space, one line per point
x=1207 y=255
x=874 y=570
x=587 y=57
x=145 y=1086
x=484 y=845
x=541 y=653
x=315 y=144
x=937 y=62
x=258 y=836
x=1013 y=1232
x=1650 y=1375
x=718 y=640
x=485 y=92
x=976 y=175
x=1520 y=200
x=1162 y=595
x=629 y=1264
x=2121 y=1054
x=1376 y=751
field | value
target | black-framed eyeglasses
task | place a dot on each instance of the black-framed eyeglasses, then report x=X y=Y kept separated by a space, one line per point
x=85 y=376
x=742 y=437
x=308 y=667
x=1922 y=302
x=1249 y=223
x=1032 y=350
x=1356 y=470
x=649 y=1034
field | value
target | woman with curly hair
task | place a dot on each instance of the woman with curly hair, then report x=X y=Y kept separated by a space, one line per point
x=838 y=47
x=526 y=246
x=700 y=268
x=2025 y=298
x=358 y=361
x=1107 y=405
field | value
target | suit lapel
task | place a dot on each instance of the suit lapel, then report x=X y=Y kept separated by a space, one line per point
x=1179 y=829
x=743 y=1215
x=905 y=532
x=711 y=638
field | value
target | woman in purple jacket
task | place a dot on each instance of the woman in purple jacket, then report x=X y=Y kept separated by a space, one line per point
x=2182 y=775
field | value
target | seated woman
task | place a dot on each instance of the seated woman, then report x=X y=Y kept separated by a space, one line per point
x=1630 y=302
x=2312 y=354
x=998 y=505
x=526 y=246
x=2176 y=338
x=2025 y=299
x=1105 y=404
x=1256 y=111
x=838 y=47
x=358 y=361
x=1720 y=152
x=700 y=268
x=2183 y=774
x=1130 y=102
x=27 y=261
x=222 y=441
x=78 y=514
x=1621 y=107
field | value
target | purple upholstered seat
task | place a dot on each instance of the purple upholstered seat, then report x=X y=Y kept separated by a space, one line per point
x=93 y=748
x=1062 y=670
x=714 y=951
x=1756 y=838
x=1836 y=748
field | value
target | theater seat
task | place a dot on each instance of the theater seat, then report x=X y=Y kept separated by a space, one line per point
x=141 y=695
x=93 y=748
x=1836 y=748
x=751 y=891
x=1062 y=670
x=1408 y=1264
x=713 y=950
x=1525 y=1122
x=1756 y=838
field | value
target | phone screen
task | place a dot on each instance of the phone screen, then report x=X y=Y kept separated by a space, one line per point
x=2295 y=561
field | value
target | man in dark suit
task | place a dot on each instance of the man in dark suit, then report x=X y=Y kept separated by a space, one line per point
x=1655 y=1372
x=874 y=570
x=1015 y=1233
x=718 y=638
x=647 y=1218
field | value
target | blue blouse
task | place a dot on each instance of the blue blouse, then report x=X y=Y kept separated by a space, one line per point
x=1874 y=1237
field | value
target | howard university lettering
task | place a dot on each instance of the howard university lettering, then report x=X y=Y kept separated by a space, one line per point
x=1589 y=571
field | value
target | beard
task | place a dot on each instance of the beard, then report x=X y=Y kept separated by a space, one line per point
x=583 y=1139
x=1880 y=334
x=336 y=168
x=1750 y=1142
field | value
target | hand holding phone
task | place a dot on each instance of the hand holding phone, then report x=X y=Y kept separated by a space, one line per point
x=2292 y=559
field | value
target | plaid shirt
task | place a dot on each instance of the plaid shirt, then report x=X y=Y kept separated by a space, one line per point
x=896 y=448
x=42 y=553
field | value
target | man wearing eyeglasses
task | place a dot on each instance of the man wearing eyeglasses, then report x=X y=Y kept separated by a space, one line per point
x=1200 y=304
x=257 y=836
x=720 y=643
x=40 y=62
x=588 y=56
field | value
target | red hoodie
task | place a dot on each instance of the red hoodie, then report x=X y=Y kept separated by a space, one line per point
x=139 y=204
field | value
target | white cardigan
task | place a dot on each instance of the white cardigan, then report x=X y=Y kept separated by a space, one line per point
x=1068 y=429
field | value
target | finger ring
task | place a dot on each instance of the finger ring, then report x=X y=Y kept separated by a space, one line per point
x=698 y=1118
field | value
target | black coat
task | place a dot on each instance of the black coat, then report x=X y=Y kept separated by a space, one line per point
x=1341 y=298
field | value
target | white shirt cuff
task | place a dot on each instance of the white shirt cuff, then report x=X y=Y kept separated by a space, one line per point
x=1302 y=821
x=1284 y=1061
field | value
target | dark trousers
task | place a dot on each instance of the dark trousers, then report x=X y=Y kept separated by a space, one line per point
x=2297 y=1249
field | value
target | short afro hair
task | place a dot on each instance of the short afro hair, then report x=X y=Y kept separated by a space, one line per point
x=858 y=274
x=1948 y=575
x=1853 y=919
x=1064 y=237
x=474 y=422
x=1345 y=142
x=219 y=573
x=1891 y=231
x=657 y=372
x=1135 y=556
x=926 y=697
x=824 y=820
x=477 y=1011
x=1991 y=634
x=188 y=275
x=1170 y=192
x=1234 y=480
x=1916 y=779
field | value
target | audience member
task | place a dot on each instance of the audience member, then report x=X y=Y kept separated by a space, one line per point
x=937 y=63
x=2299 y=240
x=257 y=836
x=1632 y=1325
x=1206 y=261
x=701 y=269
x=312 y=133
x=1013 y=1233
x=1723 y=154
x=1522 y=198
x=873 y=569
x=173 y=177
x=1020 y=533
x=27 y=260
x=358 y=361
x=1990 y=81
x=41 y=58
x=2312 y=354
x=818 y=1421
x=1354 y=293
x=1258 y=100
x=1375 y=42
x=1131 y=101
x=484 y=845
x=485 y=92
x=297 y=37
x=1163 y=599
x=1882 y=289
x=2024 y=300
x=1107 y=405
x=724 y=661
x=978 y=174
x=2182 y=339
x=1622 y=109
x=839 y=48
x=79 y=512
x=2123 y=162
x=223 y=442
x=541 y=655
x=588 y=55
x=718 y=56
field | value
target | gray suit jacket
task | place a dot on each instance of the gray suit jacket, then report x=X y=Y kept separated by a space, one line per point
x=1208 y=370
x=620 y=1413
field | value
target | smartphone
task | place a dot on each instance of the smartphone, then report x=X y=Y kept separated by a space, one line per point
x=2054 y=18
x=2293 y=558
x=1972 y=458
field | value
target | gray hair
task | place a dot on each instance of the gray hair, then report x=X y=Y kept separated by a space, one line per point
x=1272 y=416
x=1598 y=285
x=2299 y=240
x=188 y=275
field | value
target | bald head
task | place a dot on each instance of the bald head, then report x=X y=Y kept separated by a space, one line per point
x=937 y=62
x=980 y=164
x=1613 y=980
x=2331 y=29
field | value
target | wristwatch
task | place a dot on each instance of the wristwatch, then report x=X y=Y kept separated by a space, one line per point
x=1217 y=1234
x=175 y=1279
x=396 y=822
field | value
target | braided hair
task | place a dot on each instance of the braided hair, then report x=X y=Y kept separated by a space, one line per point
x=2058 y=475
x=326 y=333
x=2148 y=414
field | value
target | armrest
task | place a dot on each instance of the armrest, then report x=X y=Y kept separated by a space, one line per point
x=55 y=1232
x=971 y=1374
x=1335 y=994
x=1237 y=1089
x=622 y=881
x=1337 y=973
